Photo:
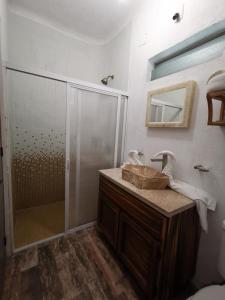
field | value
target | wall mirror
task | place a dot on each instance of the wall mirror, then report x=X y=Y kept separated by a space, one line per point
x=170 y=106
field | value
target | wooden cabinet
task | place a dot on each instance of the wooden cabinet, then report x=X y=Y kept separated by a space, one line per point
x=108 y=219
x=160 y=252
x=139 y=251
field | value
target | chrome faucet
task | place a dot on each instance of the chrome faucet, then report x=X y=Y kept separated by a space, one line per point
x=201 y=168
x=164 y=160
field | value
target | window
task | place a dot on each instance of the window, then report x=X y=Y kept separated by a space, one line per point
x=199 y=48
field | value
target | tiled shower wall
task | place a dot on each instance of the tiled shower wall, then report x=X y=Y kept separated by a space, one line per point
x=37 y=110
x=38 y=176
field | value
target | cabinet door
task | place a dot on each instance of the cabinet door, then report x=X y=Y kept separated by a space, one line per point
x=140 y=253
x=108 y=219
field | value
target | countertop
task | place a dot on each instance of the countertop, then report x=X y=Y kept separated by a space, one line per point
x=167 y=202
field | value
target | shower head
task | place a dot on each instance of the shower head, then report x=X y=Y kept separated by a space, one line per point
x=105 y=80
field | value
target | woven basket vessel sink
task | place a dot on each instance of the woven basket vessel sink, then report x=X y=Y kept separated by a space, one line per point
x=145 y=177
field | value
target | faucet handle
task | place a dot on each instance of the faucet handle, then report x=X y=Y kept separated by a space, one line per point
x=201 y=168
x=164 y=159
x=140 y=153
x=156 y=159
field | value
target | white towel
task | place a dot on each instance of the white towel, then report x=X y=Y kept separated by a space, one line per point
x=133 y=158
x=203 y=200
x=216 y=81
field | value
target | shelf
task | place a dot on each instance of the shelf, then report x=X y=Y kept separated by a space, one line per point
x=218 y=96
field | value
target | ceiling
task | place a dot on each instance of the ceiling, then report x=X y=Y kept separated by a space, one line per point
x=91 y=20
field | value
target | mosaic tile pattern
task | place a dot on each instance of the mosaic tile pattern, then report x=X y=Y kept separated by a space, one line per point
x=38 y=168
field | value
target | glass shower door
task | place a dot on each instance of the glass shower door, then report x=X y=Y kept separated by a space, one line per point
x=93 y=140
x=37 y=121
x=55 y=126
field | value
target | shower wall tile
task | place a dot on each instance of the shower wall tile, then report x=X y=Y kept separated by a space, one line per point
x=37 y=117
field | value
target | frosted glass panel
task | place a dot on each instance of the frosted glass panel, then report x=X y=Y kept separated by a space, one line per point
x=97 y=142
x=199 y=48
x=156 y=113
x=92 y=136
x=188 y=59
x=172 y=114
x=37 y=114
x=73 y=156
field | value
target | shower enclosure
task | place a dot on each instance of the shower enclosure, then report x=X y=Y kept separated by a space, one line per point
x=60 y=134
x=37 y=124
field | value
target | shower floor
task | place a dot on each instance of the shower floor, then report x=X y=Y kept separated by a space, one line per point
x=38 y=223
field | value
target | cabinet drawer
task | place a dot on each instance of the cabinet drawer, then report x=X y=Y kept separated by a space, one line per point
x=150 y=219
x=140 y=253
x=108 y=219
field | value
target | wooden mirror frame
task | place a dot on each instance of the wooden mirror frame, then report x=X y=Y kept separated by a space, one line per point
x=190 y=88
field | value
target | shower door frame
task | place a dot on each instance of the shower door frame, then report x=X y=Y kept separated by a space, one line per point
x=71 y=83
x=99 y=90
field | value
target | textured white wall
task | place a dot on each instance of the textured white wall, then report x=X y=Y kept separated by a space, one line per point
x=153 y=31
x=35 y=45
x=32 y=44
x=117 y=58
x=3 y=28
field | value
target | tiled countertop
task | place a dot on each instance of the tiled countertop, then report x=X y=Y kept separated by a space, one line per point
x=167 y=202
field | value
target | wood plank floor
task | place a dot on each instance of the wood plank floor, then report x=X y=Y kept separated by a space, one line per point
x=76 y=267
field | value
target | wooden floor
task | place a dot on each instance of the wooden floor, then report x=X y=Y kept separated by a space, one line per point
x=79 y=266
x=39 y=223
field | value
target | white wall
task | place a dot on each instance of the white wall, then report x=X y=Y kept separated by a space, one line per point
x=153 y=31
x=3 y=28
x=35 y=45
x=117 y=59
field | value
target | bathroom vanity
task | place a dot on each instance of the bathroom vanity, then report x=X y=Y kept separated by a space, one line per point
x=155 y=234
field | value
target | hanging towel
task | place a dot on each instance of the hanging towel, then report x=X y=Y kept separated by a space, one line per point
x=216 y=81
x=203 y=200
x=133 y=158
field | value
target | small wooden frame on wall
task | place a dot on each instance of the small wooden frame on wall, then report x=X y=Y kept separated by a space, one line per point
x=171 y=106
x=211 y=98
